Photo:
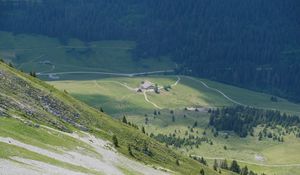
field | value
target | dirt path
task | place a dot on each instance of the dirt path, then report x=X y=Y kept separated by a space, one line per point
x=218 y=91
x=31 y=61
x=144 y=92
x=251 y=163
x=106 y=73
x=154 y=104
x=65 y=47
x=178 y=80
x=147 y=100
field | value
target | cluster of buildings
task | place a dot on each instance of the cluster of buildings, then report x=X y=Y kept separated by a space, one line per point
x=146 y=86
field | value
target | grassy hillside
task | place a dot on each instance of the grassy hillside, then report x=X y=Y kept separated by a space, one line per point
x=30 y=99
x=27 y=51
x=114 y=96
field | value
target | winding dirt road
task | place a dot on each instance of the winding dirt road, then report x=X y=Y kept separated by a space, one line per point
x=217 y=90
x=147 y=100
x=106 y=73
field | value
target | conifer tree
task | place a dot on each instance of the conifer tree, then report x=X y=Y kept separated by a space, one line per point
x=235 y=167
x=124 y=120
x=115 y=141
x=202 y=172
x=244 y=171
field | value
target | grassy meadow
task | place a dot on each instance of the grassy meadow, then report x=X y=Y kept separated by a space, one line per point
x=108 y=93
x=27 y=51
x=256 y=99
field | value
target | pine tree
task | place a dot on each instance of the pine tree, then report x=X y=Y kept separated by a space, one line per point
x=156 y=89
x=115 y=141
x=32 y=73
x=252 y=173
x=124 y=120
x=143 y=130
x=146 y=120
x=10 y=64
x=224 y=164
x=129 y=150
x=202 y=172
x=203 y=161
x=260 y=136
x=235 y=167
x=244 y=171
x=101 y=109
x=215 y=166
x=195 y=124
x=177 y=162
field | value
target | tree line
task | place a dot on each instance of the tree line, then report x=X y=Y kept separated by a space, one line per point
x=173 y=140
x=220 y=165
x=242 y=119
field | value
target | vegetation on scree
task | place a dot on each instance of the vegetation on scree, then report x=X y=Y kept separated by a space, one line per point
x=242 y=120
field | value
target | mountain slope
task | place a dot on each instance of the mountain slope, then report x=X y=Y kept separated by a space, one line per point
x=49 y=128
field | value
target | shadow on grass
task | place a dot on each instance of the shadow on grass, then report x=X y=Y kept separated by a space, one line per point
x=111 y=106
